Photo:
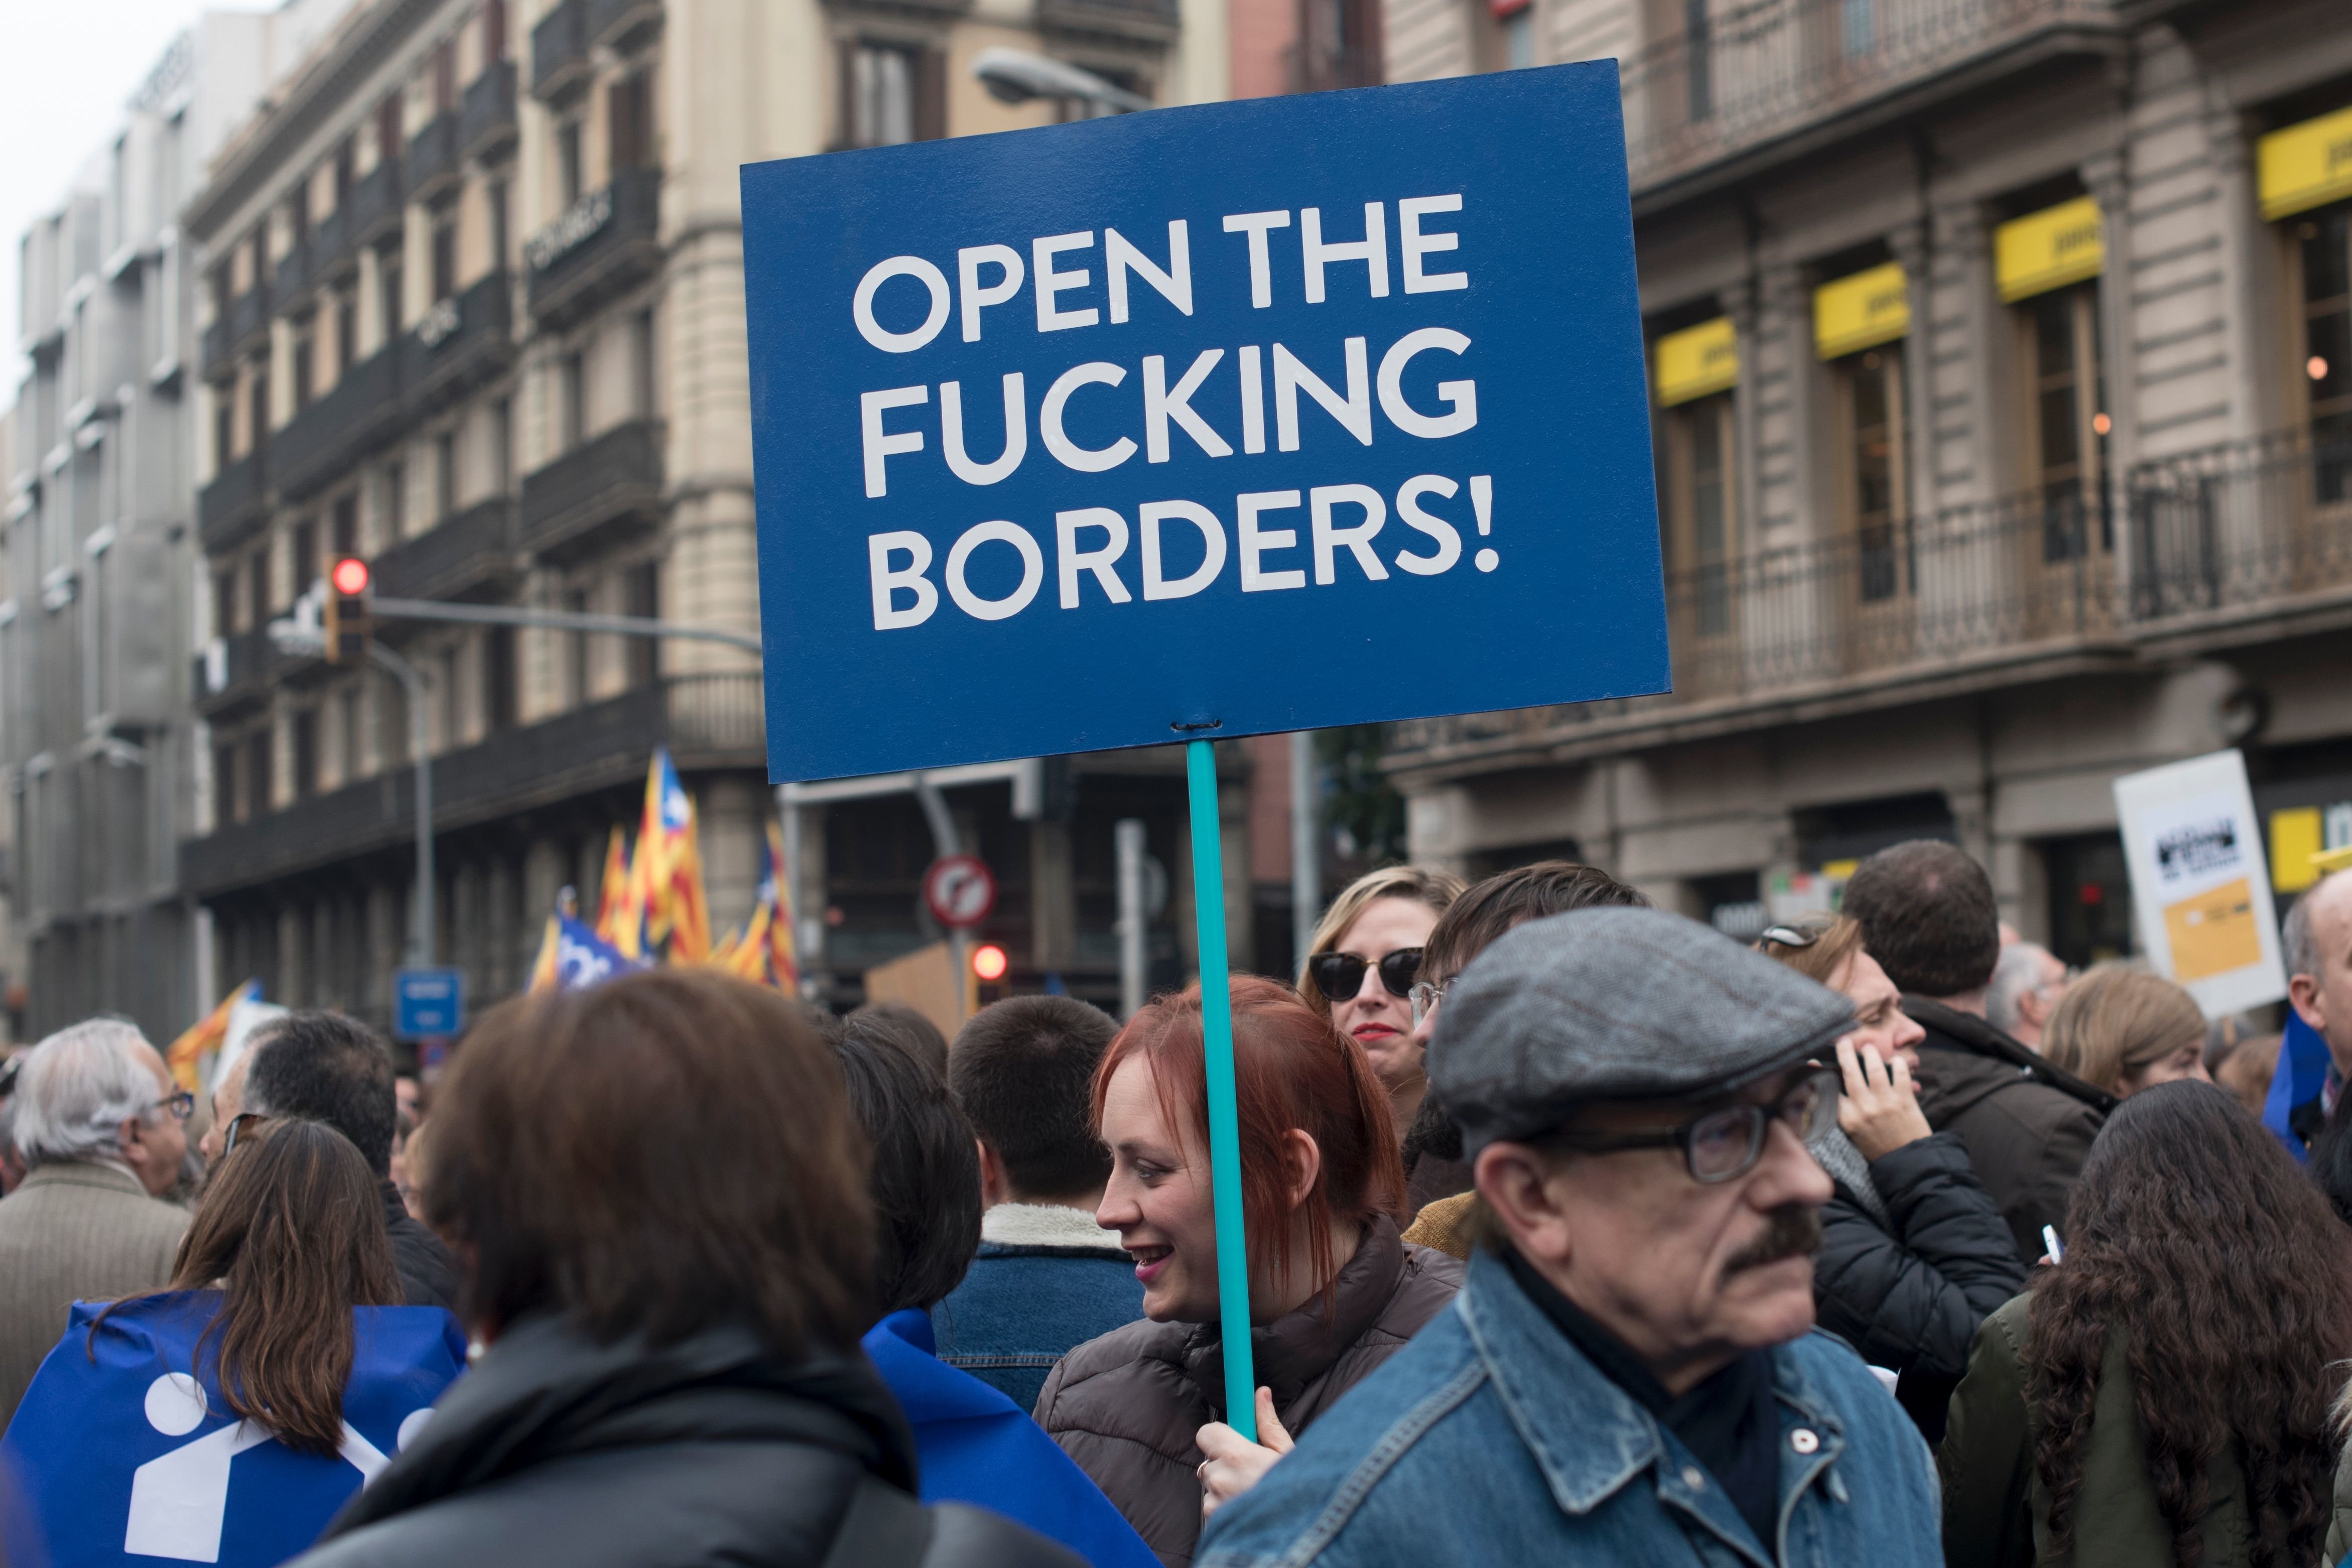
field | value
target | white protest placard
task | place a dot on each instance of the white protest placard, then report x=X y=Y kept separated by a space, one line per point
x=2200 y=886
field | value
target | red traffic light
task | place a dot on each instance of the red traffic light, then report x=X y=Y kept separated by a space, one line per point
x=988 y=963
x=349 y=575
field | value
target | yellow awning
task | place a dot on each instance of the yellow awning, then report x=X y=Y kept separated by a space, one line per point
x=1694 y=361
x=1860 y=311
x=2305 y=164
x=2048 y=249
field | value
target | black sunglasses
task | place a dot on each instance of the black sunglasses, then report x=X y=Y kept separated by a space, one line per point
x=1339 y=975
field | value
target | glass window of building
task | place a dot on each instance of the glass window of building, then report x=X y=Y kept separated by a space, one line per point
x=568 y=172
x=445 y=251
x=881 y=94
x=1692 y=372
x=2305 y=182
x=1859 y=324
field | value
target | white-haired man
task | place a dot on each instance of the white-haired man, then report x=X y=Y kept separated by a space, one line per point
x=2028 y=983
x=98 y=1120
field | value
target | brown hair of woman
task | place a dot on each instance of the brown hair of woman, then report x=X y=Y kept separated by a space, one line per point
x=291 y=1233
x=2194 y=1236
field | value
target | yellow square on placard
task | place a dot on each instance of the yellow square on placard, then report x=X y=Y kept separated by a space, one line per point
x=2213 y=932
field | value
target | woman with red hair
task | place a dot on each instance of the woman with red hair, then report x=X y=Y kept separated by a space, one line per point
x=1334 y=1291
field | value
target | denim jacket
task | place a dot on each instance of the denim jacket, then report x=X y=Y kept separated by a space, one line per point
x=1490 y=1438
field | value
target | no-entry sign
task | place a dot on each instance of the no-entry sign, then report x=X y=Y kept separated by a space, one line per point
x=960 y=891
x=1204 y=422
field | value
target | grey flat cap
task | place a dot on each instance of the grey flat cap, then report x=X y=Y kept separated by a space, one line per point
x=1616 y=1004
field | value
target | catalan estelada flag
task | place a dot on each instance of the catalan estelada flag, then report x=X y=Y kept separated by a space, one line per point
x=572 y=958
x=668 y=866
x=612 y=887
x=203 y=1039
x=776 y=899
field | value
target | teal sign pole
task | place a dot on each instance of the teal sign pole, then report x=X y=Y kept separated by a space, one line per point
x=1224 y=1122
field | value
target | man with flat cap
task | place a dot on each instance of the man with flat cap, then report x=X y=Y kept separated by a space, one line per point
x=1630 y=1375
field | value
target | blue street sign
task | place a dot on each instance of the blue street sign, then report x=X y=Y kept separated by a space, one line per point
x=428 y=1003
x=1213 y=421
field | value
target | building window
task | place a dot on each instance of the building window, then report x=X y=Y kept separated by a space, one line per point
x=347 y=329
x=297 y=212
x=1520 y=39
x=389 y=284
x=395 y=503
x=642 y=588
x=1870 y=386
x=501 y=447
x=388 y=136
x=228 y=800
x=346 y=171
x=444 y=252
x=258 y=403
x=1698 y=60
x=256 y=568
x=573 y=392
x=224 y=603
x=494 y=198
x=2064 y=401
x=498 y=682
x=305 y=753
x=577 y=603
x=224 y=428
x=891 y=93
x=306 y=554
x=306 y=344
x=445 y=476
x=260 y=761
x=641 y=365
x=629 y=121
x=567 y=161
x=1857 y=28
x=494 y=31
x=444 y=76
x=2324 y=247
x=348 y=712
x=347 y=525
x=1699 y=512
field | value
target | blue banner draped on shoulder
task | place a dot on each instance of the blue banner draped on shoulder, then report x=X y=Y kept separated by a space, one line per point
x=122 y=1458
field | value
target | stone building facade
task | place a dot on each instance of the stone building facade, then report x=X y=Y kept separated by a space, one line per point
x=472 y=307
x=2003 y=403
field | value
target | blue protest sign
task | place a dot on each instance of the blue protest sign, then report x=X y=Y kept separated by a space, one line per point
x=428 y=1003
x=1223 y=420
x=120 y=1455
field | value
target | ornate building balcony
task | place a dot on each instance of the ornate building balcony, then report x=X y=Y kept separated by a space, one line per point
x=560 y=64
x=1145 y=21
x=605 y=243
x=603 y=487
x=320 y=444
x=457 y=558
x=232 y=508
x=463 y=341
x=430 y=164
x=706 y=721
x=486 y=119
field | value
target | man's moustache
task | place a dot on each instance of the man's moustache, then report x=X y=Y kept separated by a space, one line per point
x=1794 y=1231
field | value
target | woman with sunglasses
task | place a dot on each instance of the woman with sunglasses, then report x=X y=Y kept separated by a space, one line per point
x=1914 y=1253
x=1360 y=967
x=1334 y=1290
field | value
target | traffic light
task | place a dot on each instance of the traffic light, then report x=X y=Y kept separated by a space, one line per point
x=348 y=622
x=988 y=963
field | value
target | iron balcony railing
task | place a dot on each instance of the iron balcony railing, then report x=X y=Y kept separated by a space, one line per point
x=2219 y=543
x=462 y=552
x=486 y=119
x=622 y=24
x=463 y=341
x=237 y=670
x=431 y=160
x=1155 y=20
x=614 y=478
x=292 y=281
x=318 y=445
x=706 y=721
x=1742 y=73
x=376 y=206
x=248 y=319
x=231 y=507
x=604 y=244
x=558 y=52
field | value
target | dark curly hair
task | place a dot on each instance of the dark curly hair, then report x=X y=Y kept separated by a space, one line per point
x=2192 y=1233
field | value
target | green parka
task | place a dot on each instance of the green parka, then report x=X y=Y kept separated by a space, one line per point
x=1996 y=1506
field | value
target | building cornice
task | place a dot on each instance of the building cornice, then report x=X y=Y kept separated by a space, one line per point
x=328 y=87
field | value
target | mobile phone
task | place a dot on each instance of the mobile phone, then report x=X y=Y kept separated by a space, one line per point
x=2050 y=1240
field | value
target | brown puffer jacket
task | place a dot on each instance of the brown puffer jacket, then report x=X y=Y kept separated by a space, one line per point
x=1126 y=1405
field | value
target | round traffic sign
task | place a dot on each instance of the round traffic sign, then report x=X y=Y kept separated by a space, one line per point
x=960 y=891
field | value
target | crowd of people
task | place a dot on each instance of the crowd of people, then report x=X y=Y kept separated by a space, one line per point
x=1575 y=1230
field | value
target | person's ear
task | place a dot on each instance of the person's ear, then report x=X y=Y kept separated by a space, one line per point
x=1518 y=1185
x=2303 y=994
x=994 y=1186
x=1303 y=1164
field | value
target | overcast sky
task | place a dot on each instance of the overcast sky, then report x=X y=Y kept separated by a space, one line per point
x=67 y=68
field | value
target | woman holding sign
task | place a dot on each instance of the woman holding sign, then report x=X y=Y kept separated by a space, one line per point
x=1334 y=1291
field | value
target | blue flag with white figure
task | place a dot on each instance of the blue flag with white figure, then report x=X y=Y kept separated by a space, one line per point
x=122 y=1457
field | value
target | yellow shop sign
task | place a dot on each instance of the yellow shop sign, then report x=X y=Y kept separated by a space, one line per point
x=1694 y=361
x=2048 y=249
x=2305 y=164
x=1860 y=311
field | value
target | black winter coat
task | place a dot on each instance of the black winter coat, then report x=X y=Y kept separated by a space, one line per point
x=428 y=1275
x=558 y=1451
x=1911 y=1301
